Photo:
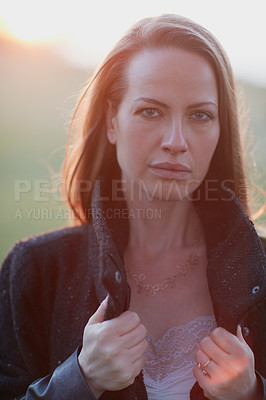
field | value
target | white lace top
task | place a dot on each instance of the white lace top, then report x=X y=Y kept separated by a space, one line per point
x=169 y=361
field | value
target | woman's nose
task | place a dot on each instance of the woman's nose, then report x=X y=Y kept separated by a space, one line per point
x=174 y=140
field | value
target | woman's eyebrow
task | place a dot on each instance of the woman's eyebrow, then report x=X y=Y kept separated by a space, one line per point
x=204 y=103
x=160 y=103
x=150 y=100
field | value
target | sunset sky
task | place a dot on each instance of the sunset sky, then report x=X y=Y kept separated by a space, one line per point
x=83 y=31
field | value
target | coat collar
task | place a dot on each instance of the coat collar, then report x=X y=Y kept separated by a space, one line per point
x=111 y=229
x=235 y=255
x=236 y=260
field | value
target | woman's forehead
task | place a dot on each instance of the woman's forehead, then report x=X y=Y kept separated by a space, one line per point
x=169 y=72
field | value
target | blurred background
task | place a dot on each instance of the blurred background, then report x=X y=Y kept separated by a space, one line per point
x=48 y=50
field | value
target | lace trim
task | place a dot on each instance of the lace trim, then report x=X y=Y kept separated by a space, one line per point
x=175 y=350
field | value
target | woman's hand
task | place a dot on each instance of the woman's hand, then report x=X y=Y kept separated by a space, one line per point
x=225 y=369
x=112 y=354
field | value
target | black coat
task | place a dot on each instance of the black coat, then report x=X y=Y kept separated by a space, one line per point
x=51 y=284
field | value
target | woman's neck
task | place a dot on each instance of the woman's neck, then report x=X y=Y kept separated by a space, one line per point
x=157 y=226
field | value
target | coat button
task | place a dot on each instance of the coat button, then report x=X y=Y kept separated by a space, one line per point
x=255 y=289
x=118 y=276
x=245 y=331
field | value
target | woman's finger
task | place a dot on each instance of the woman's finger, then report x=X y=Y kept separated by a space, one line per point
x=139 y=364
x=239 y=334
x=133 y=337
x=201 y=358
x=213 y=351
x=228 y=342
x=124 y=323
x=138 y=351
x=202 y=379
x=98 y=316
x=205 y=364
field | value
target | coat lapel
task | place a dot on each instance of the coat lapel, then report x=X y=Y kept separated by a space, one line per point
x=111 y=228
x=235 y=258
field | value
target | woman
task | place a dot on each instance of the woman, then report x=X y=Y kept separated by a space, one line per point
x=160 y=292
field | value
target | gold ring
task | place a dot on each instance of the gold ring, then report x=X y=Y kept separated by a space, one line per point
x=204 y=372
x=204 y=365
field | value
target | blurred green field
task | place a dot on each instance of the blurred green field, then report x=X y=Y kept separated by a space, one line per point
x=38 y=91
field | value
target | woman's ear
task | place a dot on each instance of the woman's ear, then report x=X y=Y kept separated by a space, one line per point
x=110 y=123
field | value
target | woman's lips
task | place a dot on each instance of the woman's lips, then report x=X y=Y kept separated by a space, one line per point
x=171 y=171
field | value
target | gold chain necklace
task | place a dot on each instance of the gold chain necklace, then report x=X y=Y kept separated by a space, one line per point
x=169 y=282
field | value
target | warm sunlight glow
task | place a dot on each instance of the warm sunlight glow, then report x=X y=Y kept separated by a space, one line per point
x=31 y=32
x=30 y=21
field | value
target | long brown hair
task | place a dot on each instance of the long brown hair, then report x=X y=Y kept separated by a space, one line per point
x=89 y=152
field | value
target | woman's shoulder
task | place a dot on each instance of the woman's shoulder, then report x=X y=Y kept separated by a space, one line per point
x=54 y=237
x=51 y=248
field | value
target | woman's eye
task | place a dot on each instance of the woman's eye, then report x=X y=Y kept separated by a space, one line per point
x=202 y=116
x=150 y=112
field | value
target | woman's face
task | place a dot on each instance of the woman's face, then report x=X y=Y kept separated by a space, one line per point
x=167 y=126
